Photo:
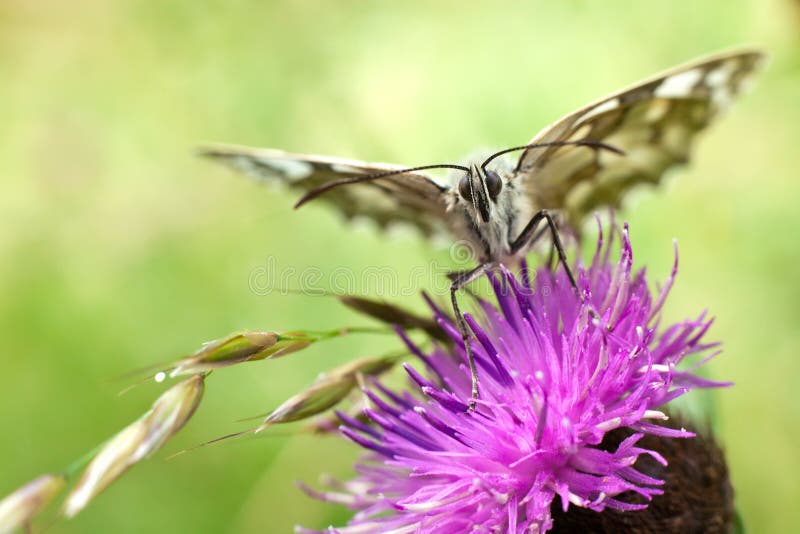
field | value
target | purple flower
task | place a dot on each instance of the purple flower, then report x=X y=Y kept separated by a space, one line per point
x=556 y=375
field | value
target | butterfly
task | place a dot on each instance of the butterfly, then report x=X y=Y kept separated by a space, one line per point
x=581 y=162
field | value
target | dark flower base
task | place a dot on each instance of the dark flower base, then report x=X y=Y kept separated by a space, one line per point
x=698 y=496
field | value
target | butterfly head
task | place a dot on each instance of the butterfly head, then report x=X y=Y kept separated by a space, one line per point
x=480 y=187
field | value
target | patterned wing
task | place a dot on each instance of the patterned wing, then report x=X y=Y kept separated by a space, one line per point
x=654 y=122
x=412 y=197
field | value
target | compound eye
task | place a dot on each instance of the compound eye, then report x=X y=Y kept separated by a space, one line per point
x=494 y=184
x=465 y=188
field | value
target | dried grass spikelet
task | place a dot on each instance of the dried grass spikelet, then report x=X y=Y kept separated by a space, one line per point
x=139 y=440
x=250 y=346
x=327 y=391
x=237 y=348
x=18 y=509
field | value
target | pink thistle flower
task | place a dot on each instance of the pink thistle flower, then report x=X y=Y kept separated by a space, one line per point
x=557 y=374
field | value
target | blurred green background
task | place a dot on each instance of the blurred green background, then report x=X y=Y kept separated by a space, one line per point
x=119 y=249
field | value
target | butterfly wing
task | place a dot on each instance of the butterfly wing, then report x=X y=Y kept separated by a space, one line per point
x=413 y=197
x=653 y=122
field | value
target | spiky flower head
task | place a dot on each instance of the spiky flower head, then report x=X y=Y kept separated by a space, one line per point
x=557 y=374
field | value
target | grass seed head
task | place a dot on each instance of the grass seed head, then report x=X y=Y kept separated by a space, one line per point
x=327 y=391
x=19 y=508
x=169 y=413
x=230 y=350
x=112 y=460
x=137 y=441
x=244 y=347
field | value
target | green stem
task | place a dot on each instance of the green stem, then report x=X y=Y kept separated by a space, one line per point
x=312 y=335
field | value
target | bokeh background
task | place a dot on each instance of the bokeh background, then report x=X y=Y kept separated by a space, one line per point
x=119 y=249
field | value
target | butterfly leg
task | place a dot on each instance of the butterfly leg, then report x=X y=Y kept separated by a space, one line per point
x=455 y=275
x=529 y=236
x=460 y=282
x=552 y=261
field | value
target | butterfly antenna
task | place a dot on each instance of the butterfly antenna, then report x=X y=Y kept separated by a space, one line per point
x=591 y=144
x=324 y=188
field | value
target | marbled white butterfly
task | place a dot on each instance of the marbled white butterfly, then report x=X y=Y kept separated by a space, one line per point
x=585 y=160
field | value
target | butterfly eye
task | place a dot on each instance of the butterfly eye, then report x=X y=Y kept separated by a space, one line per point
x=465 y=188
x=493 y=183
